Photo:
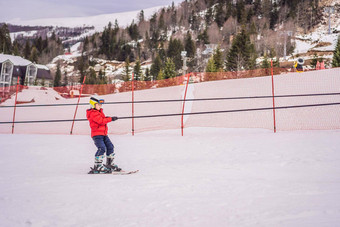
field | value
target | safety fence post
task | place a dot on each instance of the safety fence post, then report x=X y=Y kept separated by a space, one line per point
x=15 y=105
x=185 y=94
x=75 y=113
x=271 y=63
x=133 y=107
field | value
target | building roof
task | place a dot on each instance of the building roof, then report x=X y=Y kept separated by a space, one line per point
x=16 y=60
x=20 y=67
x=42 y=67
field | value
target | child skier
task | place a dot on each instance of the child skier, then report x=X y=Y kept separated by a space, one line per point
x=98 y=123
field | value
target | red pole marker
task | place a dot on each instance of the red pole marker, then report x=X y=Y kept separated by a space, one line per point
x=15 y=105
x=75 y=113
x=185 y=94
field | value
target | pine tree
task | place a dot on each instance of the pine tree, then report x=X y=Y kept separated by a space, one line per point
x=336 y=55
x=148 y=76
x=57 y=78
x=141 y=17
x=82 y=65
x=133 y=31
x=174 y=52
x=240 y=11
x=5 y=40
x=92 y=78
x=16 y=48
x=265 y=63
x=220 y=15
x=137 y=70
x=156 y=67
x=274 y=16
x=242 y=53
x=211 y=67
x=102 y=79
x=209 y=16
x=160 y=75
x=34 y=55
x=218 y=59
x=314 y=61
x=169 y=69
x=65 y=79
x=190 y=46
x=161 y=23
x=204 y=37
x=27 y=50
x=193 y=21
x=126 y=75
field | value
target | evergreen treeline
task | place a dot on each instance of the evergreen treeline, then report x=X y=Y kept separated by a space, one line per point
x=37 y=50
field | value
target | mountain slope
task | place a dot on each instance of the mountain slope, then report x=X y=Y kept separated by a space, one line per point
x=99 y=21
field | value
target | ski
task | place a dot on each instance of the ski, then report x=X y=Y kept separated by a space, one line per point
x=123 y=172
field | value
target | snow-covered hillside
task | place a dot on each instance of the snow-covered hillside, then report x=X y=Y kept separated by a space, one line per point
x=99 y=21
x=319 y=40
x=209 y=177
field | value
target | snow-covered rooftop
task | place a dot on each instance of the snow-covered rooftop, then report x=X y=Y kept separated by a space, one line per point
x=42 y=67
x=16 y=60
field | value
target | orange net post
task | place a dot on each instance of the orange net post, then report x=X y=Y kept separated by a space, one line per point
x=15 y=105
x=75 y=113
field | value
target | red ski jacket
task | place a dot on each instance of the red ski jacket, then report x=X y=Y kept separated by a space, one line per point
x=98 y=122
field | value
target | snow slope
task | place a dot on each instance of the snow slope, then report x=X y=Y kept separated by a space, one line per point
x=99 y=21
x=310 y=41
x=209 y=177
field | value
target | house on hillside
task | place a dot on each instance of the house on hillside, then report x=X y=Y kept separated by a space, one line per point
x=14 y=67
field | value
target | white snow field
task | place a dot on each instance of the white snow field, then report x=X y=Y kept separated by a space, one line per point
x=209 y=177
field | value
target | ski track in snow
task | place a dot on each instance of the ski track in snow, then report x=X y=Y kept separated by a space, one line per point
x=209 y=177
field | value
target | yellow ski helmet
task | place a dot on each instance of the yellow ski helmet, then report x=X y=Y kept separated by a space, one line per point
x=94 y=100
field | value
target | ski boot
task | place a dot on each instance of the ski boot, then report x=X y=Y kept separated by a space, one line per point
x=110 y=165
x=99 y=167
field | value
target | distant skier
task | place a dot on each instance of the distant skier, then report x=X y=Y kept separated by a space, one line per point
x=98 y=123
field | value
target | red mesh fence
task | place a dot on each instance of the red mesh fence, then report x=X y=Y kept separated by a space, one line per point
x=237 y=95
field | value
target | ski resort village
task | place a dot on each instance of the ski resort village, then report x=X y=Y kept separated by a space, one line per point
x=170 y=113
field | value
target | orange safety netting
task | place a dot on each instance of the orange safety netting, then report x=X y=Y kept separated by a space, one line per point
x=235 y=92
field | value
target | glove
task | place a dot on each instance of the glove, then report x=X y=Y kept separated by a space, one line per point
x=114 y=118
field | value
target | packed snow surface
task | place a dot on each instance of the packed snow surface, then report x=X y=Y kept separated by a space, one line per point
x=209 y=177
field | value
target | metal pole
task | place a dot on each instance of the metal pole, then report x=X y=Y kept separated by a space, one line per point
x=271 y=62
x=329 y=22
x=285 y=47
x=133 y=107
x=329 y=10
x=15 y=105
x=75 y=113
